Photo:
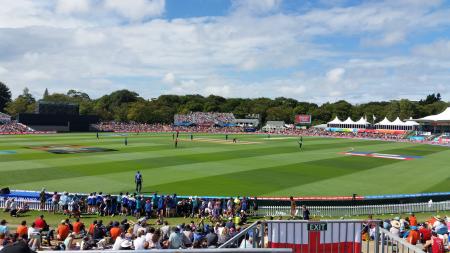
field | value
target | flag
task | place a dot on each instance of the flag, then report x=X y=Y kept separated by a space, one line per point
x=339 y=237
x=374 y=118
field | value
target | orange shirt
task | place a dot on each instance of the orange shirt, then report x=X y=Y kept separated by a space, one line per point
x=413 y=237
x=63 y=231
x=91 y=229
x=412 y=220
x=22 y=230
x=115 y=232
x=77 y=227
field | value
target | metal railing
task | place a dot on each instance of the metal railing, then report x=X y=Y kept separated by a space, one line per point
x=346 y=211
x=391 y=243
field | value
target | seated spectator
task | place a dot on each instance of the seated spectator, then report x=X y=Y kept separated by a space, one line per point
x=413 y=236
x=22 y=230
x=62 y=231
x=4 y=229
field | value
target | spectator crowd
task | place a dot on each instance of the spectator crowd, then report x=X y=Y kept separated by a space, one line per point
x=14 y=127
x=204 y=118
x=218 y=219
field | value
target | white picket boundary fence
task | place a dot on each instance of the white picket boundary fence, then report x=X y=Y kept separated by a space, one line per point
x=321 y=211
x=343 y=211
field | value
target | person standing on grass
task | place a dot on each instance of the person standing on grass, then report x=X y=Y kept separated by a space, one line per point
x=126 y=141
x=293 y=207
x=138 y=180
x=226 y=137
x=42 y=199
x=300 y=142
x=176 y=143
x=192 y=137
x=97 y=135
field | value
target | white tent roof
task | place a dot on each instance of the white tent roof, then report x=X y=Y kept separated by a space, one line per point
x=335 y=121
x=443 y=116
x=362 y=121
x=384 y=122
x=411 y=123
x=398 y=122
x=349 y=121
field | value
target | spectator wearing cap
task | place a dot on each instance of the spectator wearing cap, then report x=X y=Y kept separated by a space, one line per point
x=395 y=226
x=413 y=235
x=115 y=231
x=62 y=231
x=425 y=232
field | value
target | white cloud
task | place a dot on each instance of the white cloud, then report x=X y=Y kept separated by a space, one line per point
x=72 y=6
x=292 y=90
x=169 y=78
x=256 y=6
x=439 y=49
x=388 y=39
x=335 y=75
x=253 y=51
x=136 y=10
x=83 y=37
x=34 y=75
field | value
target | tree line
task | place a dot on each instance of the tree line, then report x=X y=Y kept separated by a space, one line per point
x=125 y=105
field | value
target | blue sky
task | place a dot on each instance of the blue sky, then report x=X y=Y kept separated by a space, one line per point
x=316 y=51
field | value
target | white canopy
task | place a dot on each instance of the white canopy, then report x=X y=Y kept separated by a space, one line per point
x=384 y=122
x=362 y=121
x=411 y=123
x=443 y=116
x=335 y=121
x=398 y=122
x=349 y=121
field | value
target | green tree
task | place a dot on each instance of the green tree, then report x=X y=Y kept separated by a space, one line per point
x=45 y=94
x=23 y=103
x=5 y=96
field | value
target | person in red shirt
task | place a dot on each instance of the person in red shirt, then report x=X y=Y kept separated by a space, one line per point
x=412 y=220
x=413 y=236
x=78 y=226
x=22 y=229
x=425 y=233
x=40 y=223
x=91 y=227
x=62 y=231
x=436 y=244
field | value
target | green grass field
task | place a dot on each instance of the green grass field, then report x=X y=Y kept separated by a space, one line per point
x=209 y=165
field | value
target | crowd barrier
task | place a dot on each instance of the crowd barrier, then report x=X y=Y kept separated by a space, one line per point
x=344 y=211
x=319 y=211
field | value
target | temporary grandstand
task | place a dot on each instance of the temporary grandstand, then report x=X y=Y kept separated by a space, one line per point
x=205 y=119
x=397 y=124
x=439 y=123
x=4 y=118
x=385 y=124
x=274 y=126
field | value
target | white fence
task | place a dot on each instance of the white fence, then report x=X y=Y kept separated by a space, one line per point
x=343 y=211
x=320 y=211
